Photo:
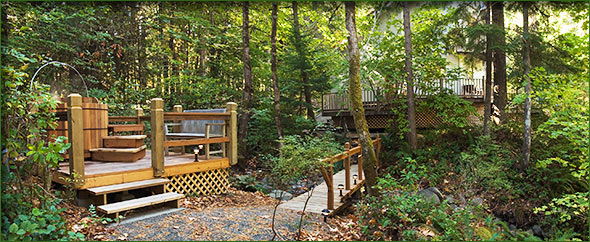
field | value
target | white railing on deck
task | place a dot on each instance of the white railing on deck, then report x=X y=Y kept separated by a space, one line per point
x=464 y=87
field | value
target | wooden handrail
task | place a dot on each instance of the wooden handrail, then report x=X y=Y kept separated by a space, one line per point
x=174 y=116
x=328 y=173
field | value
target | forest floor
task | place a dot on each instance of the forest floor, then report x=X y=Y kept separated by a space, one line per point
x=237 y=215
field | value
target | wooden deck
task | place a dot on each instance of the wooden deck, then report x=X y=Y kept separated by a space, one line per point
x=99 y=173
x=318 y=200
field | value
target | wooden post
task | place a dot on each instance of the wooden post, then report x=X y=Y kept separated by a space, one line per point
x=138 y=113
x=378 y=150
x=347 y=166
x=157 y=122
x=76 y=137
x=360 y=164
x=178 y=128
x=330 y=184
x=232 y=108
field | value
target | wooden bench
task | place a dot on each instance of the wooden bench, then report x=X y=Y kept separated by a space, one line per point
x=191 y=129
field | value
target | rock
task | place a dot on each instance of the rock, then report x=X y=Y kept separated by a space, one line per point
x=451 y=201
x=276 y=194
x=431 y=194
x=537 y=230
x=512 y=229
x=476 y=201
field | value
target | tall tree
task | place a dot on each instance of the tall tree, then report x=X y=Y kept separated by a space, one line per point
x=499 y=56
x=487 y=111
x=248 y=89
x=358 y=112
x=526 y=59
x=409 y=77
x=273 y=68
x=302 y=62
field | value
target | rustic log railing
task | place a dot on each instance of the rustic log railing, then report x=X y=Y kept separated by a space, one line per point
x=328 y=172
x=157 y=117
x=464 y=87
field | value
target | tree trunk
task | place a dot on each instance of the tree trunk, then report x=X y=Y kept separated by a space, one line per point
x=358 y=112
x=410 y=78
x=273 y=68
x=499 y=56
x=487 y=111
x=248 y=89
x=526 y=146
x=303 y=63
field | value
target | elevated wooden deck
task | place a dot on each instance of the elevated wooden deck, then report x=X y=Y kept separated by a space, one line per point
x=100 y=173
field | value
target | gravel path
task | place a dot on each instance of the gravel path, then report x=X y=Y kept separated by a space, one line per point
x=229 y=223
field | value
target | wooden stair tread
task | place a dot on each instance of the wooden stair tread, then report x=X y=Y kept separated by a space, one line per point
x=139 y=202
x=119 y=150
x=125 y=125
x=127 y=186
x=126 y=137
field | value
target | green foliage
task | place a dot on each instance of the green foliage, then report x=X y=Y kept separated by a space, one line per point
x=300 y=159
x=21 y=221
x=453 y=110
x=246 y=183
x=401 y=213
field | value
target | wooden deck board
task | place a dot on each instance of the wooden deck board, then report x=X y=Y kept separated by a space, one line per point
x=99 y=167
x=319 y=199
x=127 y=186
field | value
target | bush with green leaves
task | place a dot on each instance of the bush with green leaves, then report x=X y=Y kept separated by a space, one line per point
x=22 y=221
x=300 y=159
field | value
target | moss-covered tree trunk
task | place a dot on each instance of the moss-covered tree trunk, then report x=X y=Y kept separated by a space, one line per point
x=273 y=68
x=526 y=59
x=356 y=103
x=409 y=78
x=248 y=89
x=487 y=110
x=499 y=56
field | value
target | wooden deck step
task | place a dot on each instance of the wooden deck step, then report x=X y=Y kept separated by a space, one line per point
x=123 y=141
x=115 y=208
x=118 y=154
x=127 y=186
x=115 y=128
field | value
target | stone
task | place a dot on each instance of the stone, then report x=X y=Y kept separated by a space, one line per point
x=431 y=194
x=537 y=230
x=476 y=201
x=276 y=194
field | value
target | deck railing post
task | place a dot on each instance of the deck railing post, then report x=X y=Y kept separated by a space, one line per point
x=330 y=188
x=138 y=113
x=178 y=129
x=232 y=149
x=378 y=150
x=347 y=166
x=157 y=122
x=76 y=138
x=360 y=164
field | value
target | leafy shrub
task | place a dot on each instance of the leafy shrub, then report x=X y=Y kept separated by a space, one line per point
x=21 y=221
x=246 y=183
x=400 y=213
x=300 y=158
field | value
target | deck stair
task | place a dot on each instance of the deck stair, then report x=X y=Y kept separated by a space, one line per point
x=155 y=185
x=117 y=128
x=123 y=141
x=171 y=198
x=118 y=154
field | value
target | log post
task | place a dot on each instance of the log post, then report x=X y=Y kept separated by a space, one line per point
x=347 y=166
x=76 y=138
x=157 y=122
x=330 y=183
x=232 y=108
